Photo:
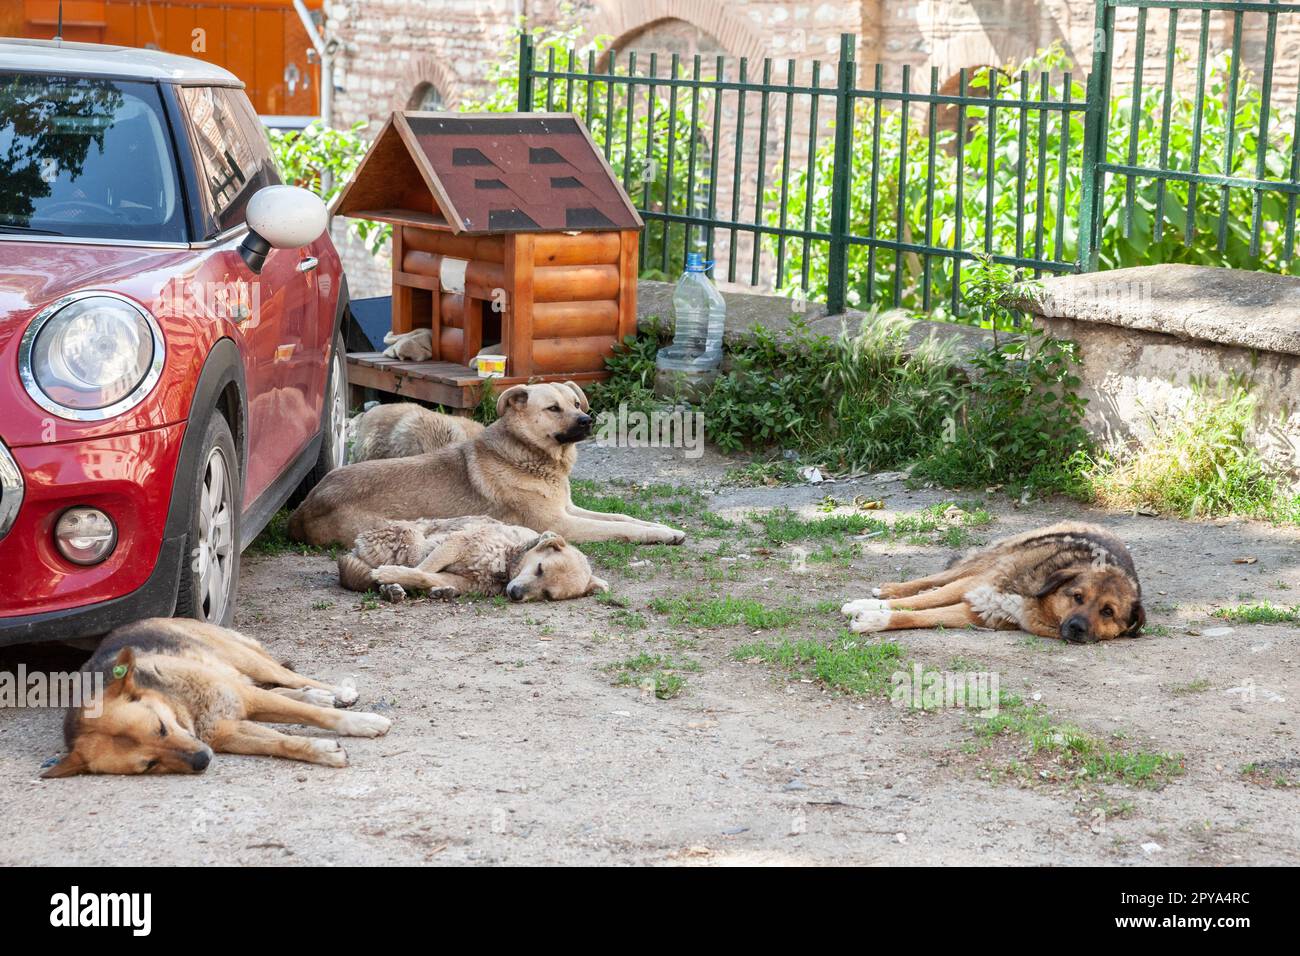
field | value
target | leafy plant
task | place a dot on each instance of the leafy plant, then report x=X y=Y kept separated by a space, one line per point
x=873 y=400
x=632 y=374
x=962 y=194
x=1199 y=465
x=1021 y=418
x=321 y=159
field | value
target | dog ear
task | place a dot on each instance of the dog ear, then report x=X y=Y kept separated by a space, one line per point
x=1137 y=620
x=121 y=675
x=1055 y=581
x=551 y=539
x=516 y=395
x=582 y=396
x=597 y=584
x=69 y=766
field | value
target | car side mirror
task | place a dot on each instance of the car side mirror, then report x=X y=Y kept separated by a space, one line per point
x=281 y=217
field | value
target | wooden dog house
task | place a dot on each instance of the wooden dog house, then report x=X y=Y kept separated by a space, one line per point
x=507 y=227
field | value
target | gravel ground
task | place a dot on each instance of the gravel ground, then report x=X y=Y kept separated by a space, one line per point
x=514 y=744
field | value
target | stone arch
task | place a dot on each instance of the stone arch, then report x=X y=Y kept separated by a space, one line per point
x=736 y=34
x=424 y=73
x=947 y=115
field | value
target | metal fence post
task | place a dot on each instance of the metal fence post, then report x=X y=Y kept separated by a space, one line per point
x=525 y=71
x=1096 y=120
x=842 y=176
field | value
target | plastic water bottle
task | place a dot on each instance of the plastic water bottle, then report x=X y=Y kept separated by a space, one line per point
x=699 y=318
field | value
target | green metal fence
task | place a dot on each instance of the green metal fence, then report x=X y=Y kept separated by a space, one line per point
x=878 y=189
x=1265 y=176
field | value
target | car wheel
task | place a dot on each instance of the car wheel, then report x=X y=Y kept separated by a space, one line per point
x=334 y=424
x=210 y=575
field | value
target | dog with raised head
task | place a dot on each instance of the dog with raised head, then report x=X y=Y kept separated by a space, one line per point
x=176 y=691
x=449 y=557
x=1071 y=580
x=516 y=471
x=402 y=429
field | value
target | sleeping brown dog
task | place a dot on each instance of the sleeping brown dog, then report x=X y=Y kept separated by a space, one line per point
x=1070 y=580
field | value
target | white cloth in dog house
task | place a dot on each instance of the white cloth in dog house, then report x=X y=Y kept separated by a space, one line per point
x=415 y=346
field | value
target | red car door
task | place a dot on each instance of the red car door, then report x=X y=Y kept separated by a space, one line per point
x=272 y=316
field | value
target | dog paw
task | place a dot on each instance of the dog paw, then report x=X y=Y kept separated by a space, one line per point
x=392 y=593
x=869 y=620
x=865 y=604
x=327 y=753
x=676 y=537
x=317 y=697
x=345 y=694
x=441 y=594
x=364 y=725
x=875 y=592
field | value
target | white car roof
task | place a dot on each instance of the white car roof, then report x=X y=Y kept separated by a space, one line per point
x=119 y=62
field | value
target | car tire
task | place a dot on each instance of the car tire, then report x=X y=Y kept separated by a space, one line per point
x=209 y=580
x=334 y=424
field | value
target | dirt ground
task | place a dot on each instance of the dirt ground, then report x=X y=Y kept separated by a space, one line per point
x=514 y=743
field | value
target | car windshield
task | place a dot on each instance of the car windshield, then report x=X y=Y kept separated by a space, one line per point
x=86 y=157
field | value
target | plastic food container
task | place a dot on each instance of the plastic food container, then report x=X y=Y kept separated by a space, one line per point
x=491 y=366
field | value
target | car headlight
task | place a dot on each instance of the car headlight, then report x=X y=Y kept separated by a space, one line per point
x=91 y=356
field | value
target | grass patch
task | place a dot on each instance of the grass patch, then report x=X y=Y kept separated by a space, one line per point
x=621 y=555
x=728 y=611
x=1198 y=686
x=849 y=664
x=274 y=540
x=654 y=672
x=1201 y=465
x=674 y=505
x=1262 y=613
x=945 y=523
x=1067 y=753
x=629 y=620
x=769 y=474
x=1280 y=774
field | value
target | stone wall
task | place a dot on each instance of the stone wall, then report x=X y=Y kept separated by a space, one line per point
x=1150 y=337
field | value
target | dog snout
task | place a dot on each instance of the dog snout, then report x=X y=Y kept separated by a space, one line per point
x=200 y=759
x=1075 y=630
x=515 y=592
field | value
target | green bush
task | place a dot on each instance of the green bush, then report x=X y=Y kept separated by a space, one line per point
x=871 y=279
x=321 y=159
x=1201 y=465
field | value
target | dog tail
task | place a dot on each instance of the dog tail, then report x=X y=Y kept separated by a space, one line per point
x=355 y=574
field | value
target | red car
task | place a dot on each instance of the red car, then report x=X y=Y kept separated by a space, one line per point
x=171 y=366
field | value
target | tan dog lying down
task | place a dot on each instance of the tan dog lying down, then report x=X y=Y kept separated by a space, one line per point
x=176 y=690
x=453 y=556
x=1070 y=580
x=402 y=429
x=516 y=471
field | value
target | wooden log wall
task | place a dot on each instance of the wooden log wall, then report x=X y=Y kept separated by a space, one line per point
x=568 y=299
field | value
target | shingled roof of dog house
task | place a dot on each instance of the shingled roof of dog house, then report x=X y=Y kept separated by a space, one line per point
x=516 y=206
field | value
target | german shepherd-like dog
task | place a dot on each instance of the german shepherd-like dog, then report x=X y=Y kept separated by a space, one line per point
x=449 y=557
x=1070 y=580
x=177 y=690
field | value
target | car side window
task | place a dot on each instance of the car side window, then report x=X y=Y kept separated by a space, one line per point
x=235 y=160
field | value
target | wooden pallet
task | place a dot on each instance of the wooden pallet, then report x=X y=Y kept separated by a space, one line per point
x=445 y=383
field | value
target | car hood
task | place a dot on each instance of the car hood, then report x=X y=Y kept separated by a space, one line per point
x=34 y=274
